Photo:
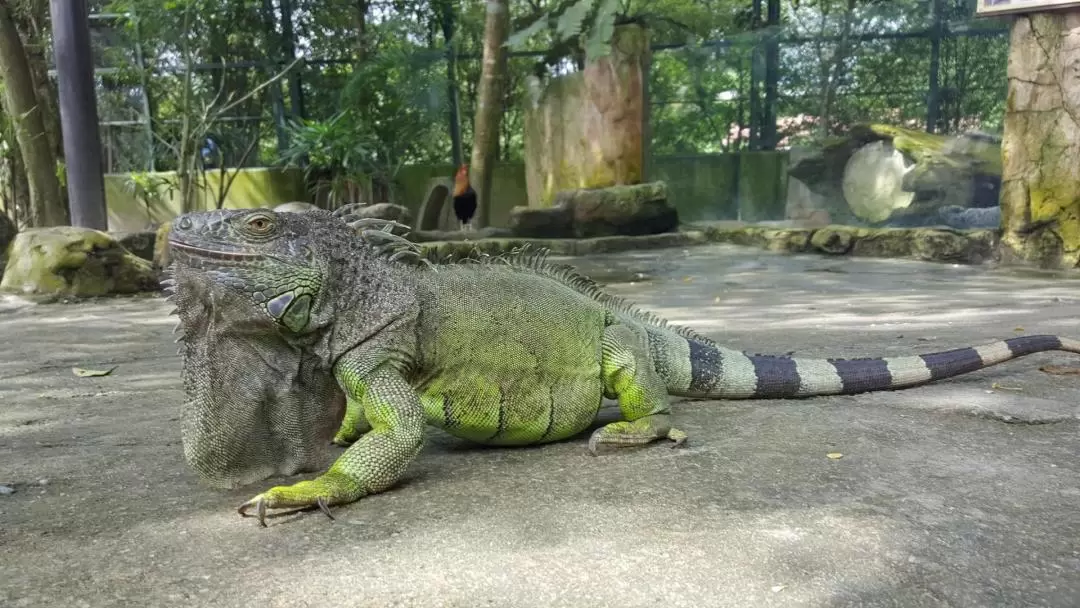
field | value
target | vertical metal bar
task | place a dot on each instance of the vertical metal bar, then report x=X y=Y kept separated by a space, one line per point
x=296 y=88
x=772 y=77
x=756 y=70
x=151 y=164
x=448 y=25
x=933 y=97
x=277 y=101
x=78 y=113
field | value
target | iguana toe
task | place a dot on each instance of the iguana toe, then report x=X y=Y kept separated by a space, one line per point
x=638 y=432
x=343 y=440
x=260 y=509
x=329 y=489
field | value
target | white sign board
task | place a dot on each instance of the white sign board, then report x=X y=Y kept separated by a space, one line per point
x=1001 y=7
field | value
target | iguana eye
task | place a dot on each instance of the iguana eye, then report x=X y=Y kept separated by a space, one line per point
x=260 y=224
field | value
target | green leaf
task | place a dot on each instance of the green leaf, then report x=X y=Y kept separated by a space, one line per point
x=90 y=373
x=598 y=44
x=569 y=24
x=517 y=40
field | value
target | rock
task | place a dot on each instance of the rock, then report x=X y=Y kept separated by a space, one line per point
x=927 y=244
x=836 y=240
x=386 y=211
x=957 y=217
x=141 y=244
x=620 y=210
x=70 y=261
x=295 y=207
x=487 y=232
x=859 y=170
x=549 y=223
x=873 y=181
x=7 y=232
x=161 y=246
x=586 y=129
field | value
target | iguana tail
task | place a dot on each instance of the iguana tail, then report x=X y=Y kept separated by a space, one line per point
x=701 y=369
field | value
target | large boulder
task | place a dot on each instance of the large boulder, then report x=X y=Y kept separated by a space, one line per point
x=386 y=211
x=295 y=207
x=8 y=230
x=881 y=174
x=617 y=210
x=161 y=246
x=547 y=223
x=587 y=129
x=70 y=261
x=620 y=210
x=141 y=244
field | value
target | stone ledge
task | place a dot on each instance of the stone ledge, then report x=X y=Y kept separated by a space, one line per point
x=925 y=244
x=444 y=250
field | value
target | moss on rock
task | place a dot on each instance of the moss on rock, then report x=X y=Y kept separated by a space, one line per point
x=76 y=262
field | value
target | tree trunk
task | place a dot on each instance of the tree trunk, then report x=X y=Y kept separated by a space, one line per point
x=1040 y=197
x=360 y=24
x=21 y=104
x=489 y=105
x=35 y=35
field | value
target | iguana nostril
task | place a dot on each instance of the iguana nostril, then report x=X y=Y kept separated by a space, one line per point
x=185 y=223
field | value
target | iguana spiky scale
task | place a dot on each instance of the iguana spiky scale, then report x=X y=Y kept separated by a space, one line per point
x=503 y=351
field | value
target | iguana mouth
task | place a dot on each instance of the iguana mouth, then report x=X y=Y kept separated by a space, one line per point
x=215 y=254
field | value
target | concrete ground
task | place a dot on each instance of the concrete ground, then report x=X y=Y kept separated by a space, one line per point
x=963 y=493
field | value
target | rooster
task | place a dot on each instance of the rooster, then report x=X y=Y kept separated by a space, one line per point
x=464 y=198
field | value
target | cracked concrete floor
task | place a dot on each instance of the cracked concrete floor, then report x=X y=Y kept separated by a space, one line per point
x=962 y=493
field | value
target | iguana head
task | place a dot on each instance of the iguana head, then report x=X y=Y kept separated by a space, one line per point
x=269 y=257
x=267 y=303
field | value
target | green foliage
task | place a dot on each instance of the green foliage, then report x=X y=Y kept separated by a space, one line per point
x=569 y=26
x=149 y=188
x=381 y=101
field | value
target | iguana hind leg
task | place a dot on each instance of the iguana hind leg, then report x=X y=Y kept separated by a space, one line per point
x=630 y=377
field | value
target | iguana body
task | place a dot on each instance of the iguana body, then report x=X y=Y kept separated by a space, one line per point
x=510 y=351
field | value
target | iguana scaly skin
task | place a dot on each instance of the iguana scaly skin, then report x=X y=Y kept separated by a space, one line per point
x=508 y=351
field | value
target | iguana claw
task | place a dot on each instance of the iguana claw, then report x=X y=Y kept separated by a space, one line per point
x=260 y=509
x=332 y=488
x=325 y=508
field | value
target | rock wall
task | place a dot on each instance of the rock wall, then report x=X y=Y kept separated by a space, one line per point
x=586 y=129
x=1040 y=195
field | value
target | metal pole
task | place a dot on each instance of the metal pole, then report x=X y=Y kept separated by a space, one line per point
x=296 y=89
x=277 y=100
x=78 y=113
x=772 y=77
x=757 y=69
x=933 y=97
x=147 y=107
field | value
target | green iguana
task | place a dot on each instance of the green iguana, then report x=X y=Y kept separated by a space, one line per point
x=507 y=351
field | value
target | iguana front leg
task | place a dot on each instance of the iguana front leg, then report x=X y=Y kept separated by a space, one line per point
x=377 y=460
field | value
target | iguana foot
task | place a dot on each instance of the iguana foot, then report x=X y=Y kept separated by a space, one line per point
x=331 y=488
x=346 y=438
x=638 y=432
x=352 y=427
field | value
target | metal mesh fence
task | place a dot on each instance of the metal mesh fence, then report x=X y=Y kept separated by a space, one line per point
x=757 y=90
